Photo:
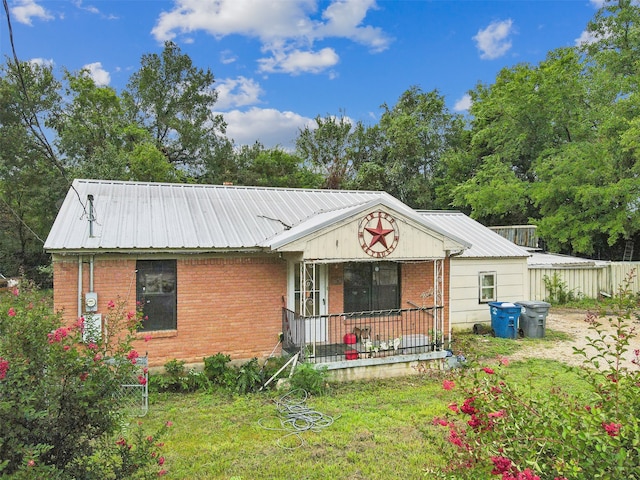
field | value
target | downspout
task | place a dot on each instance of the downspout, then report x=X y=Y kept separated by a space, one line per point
x=451 y=255
x=79 y=286
x=91 y=273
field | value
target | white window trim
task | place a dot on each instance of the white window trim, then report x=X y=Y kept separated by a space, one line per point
x=481 y=276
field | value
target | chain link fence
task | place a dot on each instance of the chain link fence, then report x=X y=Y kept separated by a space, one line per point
x=134 y=393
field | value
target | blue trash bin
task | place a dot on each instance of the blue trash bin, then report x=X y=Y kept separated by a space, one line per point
x=504 y=319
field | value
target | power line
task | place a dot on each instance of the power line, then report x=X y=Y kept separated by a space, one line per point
x=32 y=121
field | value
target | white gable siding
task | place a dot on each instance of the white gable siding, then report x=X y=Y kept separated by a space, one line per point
x=512 y=279
x=341 y=243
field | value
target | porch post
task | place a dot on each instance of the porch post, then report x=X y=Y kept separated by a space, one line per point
x=307 y=289
x=438 y=296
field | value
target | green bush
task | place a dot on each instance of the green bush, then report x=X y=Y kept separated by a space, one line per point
x=310 y=378
x=249 y=377
x=178 y=379
x=522 y=433
x=218 y=371
x=58 y=406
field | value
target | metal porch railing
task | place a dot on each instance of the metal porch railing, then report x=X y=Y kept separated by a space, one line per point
x=350 y=336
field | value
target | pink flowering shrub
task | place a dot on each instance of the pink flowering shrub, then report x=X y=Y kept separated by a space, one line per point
x=510 y=432
x=59 y=409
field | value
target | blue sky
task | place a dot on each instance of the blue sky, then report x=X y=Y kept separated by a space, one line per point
x=280 y=63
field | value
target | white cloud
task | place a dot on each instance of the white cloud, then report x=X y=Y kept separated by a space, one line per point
x=227 y=57
x=25 y=10
x=493 y=41
x=237 y=92
x=463 y=104
x=297 y=61
x=42 y=62
x=586 y=38
x=598 y=3
x=268 y=126
x=286 y=29
x=88 y=8
x=99 y=75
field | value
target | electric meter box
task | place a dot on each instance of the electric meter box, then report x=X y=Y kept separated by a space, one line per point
x=91 y=302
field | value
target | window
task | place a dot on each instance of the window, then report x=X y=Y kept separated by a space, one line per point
x=487 y=282
x=371 y=286
x=156 y=292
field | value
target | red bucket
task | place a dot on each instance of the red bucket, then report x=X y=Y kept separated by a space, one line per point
x=351 y=354
x=349 y=338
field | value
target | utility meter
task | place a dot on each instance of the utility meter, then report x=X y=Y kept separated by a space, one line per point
x=91 y=302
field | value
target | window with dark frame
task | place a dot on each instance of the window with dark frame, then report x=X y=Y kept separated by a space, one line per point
x=156 y=292
x=487 y=284
x=371 y=286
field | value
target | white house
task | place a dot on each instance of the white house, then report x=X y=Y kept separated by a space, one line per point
x=493 y=269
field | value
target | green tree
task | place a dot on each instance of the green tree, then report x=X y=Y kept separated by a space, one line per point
x=277 y=168
x=526 y=112
x=326 y=149
x=417 y=131
x=29 y=172
x=173 y=100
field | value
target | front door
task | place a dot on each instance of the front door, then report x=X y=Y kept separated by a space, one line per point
x=308 y=282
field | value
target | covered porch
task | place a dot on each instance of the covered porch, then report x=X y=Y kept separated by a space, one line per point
x=374 y=336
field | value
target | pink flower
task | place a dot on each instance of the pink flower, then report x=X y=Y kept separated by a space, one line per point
x=132 y=356
x=169 y=423
x=121 y=441
x=454 y=408
x=161 y=461
x=111 y=304
x=448 y=384
x=501 y=465
x=92 y=346
x=58 y=335
x=149 y=439
x=441 y=421
x=498 y=414
x=4 y=367
x=162 y=473
x=66 y=347
x=467 y=406
x=97 y=357
x=504 y=361
x=31 y=463
x=130 y=315
x=15 y=292
x=148 y=337
x=142 y=380
x=488 y=370
x=612 y=429
x=83 y=376
x=11 y=312
x=80 y=323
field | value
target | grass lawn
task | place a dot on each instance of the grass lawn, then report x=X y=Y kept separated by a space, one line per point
x=382 y=429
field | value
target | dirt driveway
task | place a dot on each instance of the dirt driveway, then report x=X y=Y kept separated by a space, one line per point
x=571 y=322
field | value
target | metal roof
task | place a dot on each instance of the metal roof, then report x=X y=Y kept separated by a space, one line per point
x=484 y=242
x=170 y=216
x=556 y=260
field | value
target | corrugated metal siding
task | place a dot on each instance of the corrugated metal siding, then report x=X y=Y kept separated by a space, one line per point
x=588 y=281
x=523 y=235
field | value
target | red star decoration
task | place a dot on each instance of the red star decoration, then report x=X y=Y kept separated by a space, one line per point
x=379 y=234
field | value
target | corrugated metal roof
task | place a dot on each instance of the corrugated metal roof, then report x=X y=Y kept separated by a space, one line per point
x=484 y=242
x=556 y=260
x=160 y=216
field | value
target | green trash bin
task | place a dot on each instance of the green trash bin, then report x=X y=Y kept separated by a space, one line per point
x=533 y=319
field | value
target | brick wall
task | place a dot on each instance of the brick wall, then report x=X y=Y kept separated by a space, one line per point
x=230 y=305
